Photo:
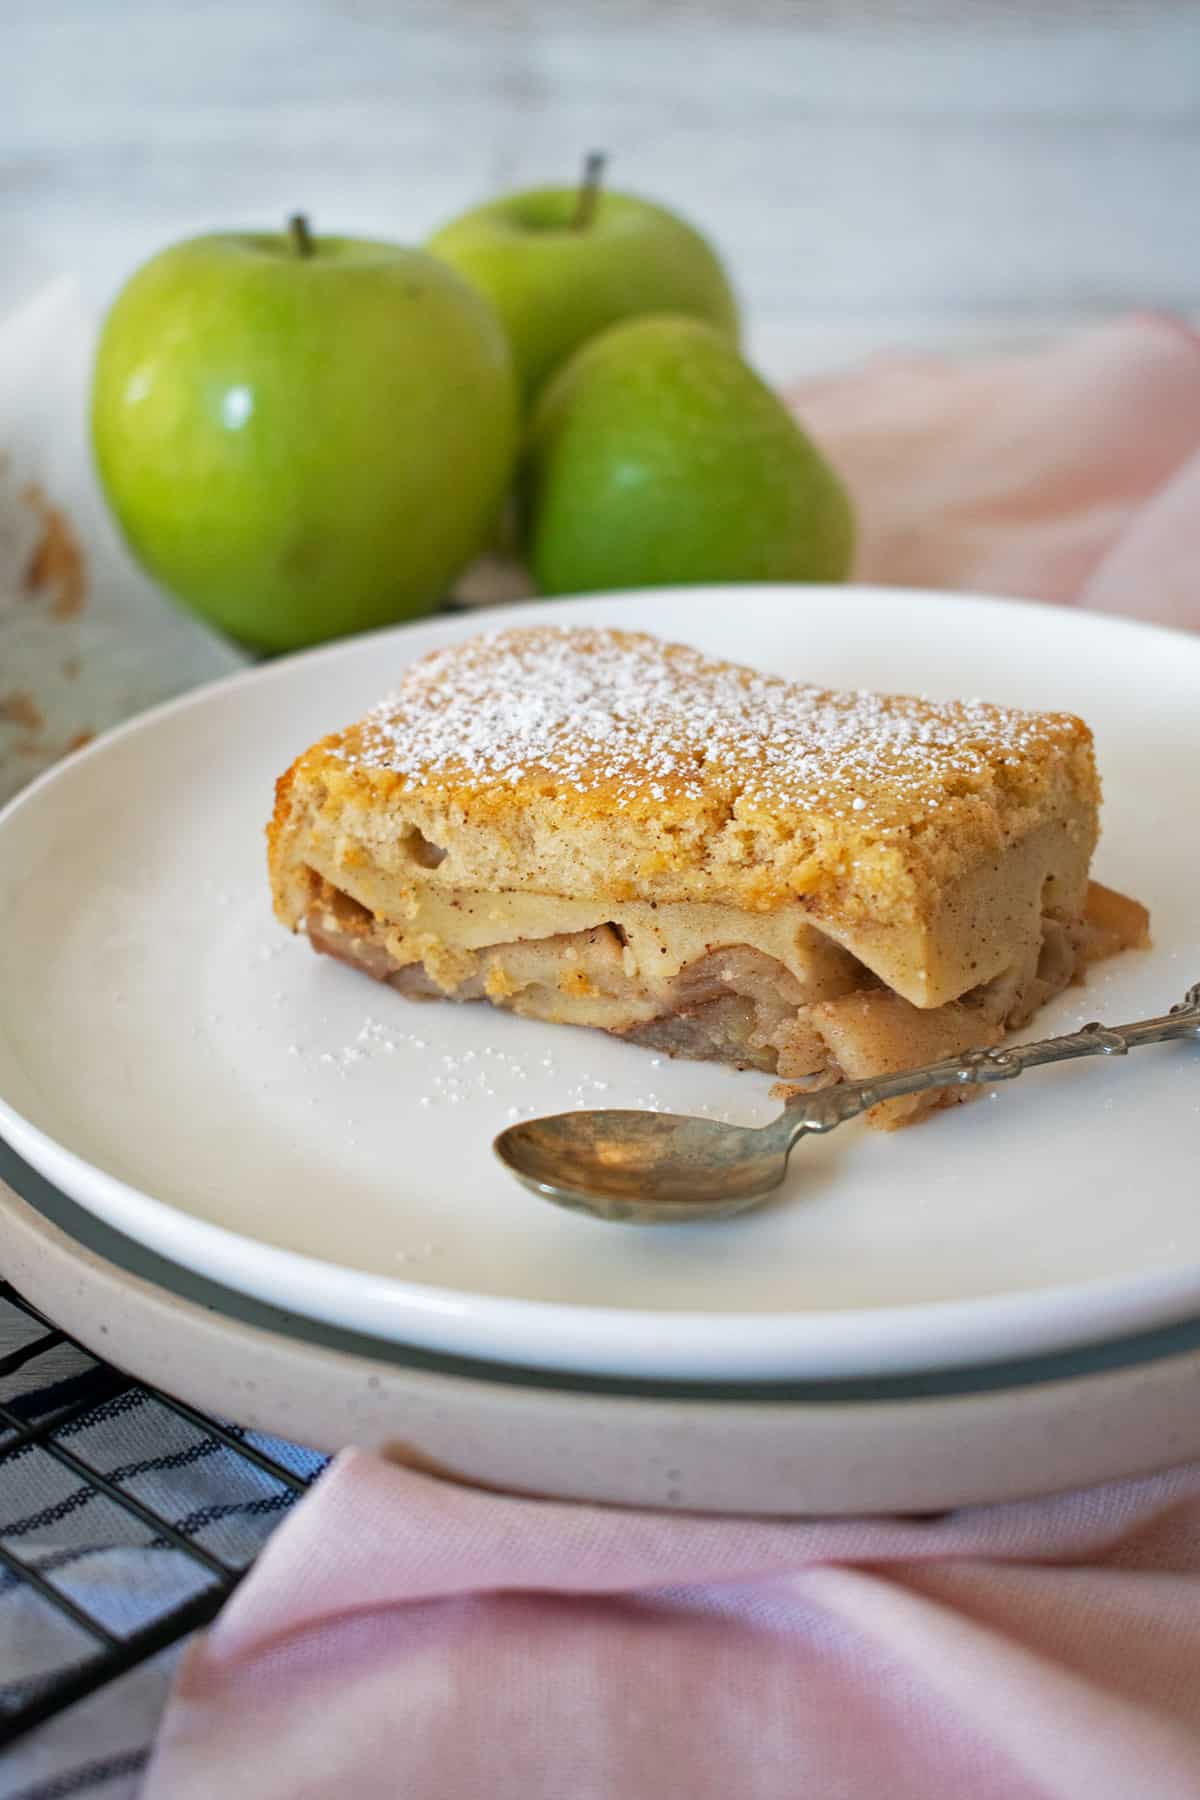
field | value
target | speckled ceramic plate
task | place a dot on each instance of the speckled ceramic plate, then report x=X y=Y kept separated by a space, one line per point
x=184 y=1070
x=897 y=1444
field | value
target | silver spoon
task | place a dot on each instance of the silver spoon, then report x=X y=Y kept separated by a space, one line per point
x=644 y=1168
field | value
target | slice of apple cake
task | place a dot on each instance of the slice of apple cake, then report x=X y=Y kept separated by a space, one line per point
x=593 y=827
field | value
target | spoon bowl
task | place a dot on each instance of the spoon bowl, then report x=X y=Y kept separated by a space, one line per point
x=643 y=1167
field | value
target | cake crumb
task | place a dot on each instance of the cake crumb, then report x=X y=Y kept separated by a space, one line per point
x=57 y=567
x=21 y=709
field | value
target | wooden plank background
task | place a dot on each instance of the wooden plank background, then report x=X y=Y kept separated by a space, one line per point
x=876 y=173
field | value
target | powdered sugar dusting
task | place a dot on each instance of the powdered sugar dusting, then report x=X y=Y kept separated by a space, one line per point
x=625 y=714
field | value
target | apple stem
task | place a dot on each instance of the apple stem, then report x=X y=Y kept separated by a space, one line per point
x=589 y=189
x=300 y=235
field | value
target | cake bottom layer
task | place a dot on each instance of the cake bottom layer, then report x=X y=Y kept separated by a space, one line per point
x=738 y=1005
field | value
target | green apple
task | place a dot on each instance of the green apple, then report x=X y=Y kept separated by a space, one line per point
x=561 y=264
x=658 y=457
x=302 y=437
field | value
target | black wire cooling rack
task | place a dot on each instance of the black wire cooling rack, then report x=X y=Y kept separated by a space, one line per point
x=60 y=1411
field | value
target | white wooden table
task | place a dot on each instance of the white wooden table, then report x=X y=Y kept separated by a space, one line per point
x=937 y=171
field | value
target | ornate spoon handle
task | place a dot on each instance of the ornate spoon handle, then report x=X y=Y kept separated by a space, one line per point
x=828 y=1107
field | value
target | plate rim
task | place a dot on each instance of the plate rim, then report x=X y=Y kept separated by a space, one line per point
x=1086 y=1362
x=796 y=1456
x=1131 y=1305
x=515 y=612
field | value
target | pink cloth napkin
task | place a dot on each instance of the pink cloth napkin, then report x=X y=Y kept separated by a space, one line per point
x=406 y=1636
x=403 y=1636
x=1069 y=474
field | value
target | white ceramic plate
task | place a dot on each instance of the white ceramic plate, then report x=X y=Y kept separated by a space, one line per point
x=192 y=1075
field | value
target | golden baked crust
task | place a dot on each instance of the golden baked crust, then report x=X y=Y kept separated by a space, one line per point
x=609 y=764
